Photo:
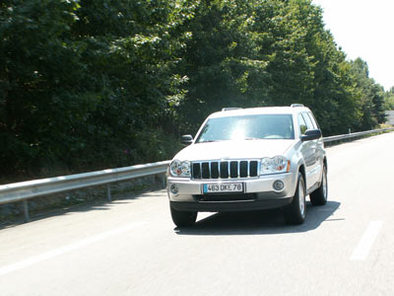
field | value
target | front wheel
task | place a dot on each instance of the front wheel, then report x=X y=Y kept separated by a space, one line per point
x=295 y=212
x=183 y=219
x=319 y=196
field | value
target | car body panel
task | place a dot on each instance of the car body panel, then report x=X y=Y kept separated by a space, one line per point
x=307 y=157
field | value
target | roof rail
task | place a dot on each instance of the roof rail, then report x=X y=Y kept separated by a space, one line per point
x=230 y=108
x=297 y=105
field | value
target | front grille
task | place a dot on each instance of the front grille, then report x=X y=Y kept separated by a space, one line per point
x=224 y=169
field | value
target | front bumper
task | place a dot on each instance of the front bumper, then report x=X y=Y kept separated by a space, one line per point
x=259 y=193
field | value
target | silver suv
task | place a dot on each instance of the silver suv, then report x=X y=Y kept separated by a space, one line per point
x=250 y=159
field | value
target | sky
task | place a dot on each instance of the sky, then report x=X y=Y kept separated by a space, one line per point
x=365 y=29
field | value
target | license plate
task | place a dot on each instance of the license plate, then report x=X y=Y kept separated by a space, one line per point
x=223 y=187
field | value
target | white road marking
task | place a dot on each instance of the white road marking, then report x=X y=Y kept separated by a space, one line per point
x=66 y=249
x=204 y=215
x=365 y=244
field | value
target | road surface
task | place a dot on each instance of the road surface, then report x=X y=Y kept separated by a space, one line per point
x=131 y=247
x=390 y=117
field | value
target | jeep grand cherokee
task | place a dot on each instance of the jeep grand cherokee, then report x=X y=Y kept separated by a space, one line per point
x=250 y=159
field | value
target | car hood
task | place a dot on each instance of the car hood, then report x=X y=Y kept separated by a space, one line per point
x=235 y=149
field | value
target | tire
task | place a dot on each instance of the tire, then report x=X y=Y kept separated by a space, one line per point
x=183 y=219
x=319 y=196
x=295 y=212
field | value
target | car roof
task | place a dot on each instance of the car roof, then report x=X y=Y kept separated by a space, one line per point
x=258 y=110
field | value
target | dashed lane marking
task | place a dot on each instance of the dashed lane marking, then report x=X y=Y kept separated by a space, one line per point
x=366 y=242
x=66 y=249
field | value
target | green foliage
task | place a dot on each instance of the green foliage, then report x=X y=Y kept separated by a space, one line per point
x=371 y=96
x=92 y=84
x=39 y=78
x=259 y=53
x=82 y=83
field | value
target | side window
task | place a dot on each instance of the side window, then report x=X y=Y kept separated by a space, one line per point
x=312 y=117
x=301 y=124
x=308 y=121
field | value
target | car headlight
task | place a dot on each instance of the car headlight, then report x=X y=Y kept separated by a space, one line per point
x=274 y=165
x=180 y=168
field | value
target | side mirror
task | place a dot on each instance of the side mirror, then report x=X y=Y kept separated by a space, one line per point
x=187 y=139
x=311 y=135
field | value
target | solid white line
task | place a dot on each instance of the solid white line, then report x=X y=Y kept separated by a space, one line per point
x=65 y=249
x=365 y=244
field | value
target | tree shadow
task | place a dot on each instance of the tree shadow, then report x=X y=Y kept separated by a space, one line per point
x=260 y=222
x=101 y=204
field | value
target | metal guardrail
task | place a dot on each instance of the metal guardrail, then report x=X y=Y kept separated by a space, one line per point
x=23 y=191
x=355 y=135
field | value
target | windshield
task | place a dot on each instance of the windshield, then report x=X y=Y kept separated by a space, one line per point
x=251 y=127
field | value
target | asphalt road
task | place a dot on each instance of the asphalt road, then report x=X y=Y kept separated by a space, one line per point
x=390 y=117
x=131 y=247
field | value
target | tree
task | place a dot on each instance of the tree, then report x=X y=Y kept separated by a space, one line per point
x=389 y=99
x=92 y=84
x=84 y=83
x=371 y=96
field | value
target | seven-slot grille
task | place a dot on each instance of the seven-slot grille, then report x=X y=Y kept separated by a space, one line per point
x=224 y=169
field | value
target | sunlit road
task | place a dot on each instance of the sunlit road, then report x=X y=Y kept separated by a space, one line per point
x=130 y=247
x=390 y=117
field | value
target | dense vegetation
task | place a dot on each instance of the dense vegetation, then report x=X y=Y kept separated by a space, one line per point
x=389 y=99
x=92 y=84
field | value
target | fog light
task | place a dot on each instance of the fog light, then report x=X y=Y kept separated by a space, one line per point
x=278 y=185
x=174 y=189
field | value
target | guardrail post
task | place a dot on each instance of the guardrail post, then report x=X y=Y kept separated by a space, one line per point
x=109 y=197
x=26 y=210
x=164 y=181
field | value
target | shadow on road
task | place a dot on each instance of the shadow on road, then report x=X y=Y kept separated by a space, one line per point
x=93 y=205
x=261 y=222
